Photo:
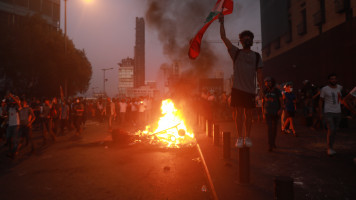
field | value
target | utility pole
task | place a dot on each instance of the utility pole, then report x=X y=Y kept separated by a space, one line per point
x=65 y=46
x=104 y=79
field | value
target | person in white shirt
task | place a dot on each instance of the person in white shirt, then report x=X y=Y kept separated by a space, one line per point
x=330 y=103
x=123 y=108
x=141 y=112
x=12 y=131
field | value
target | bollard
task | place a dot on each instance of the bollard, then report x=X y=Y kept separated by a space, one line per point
x=209 y=128
x=216 y=134
x=203 y=125
x=244 y=165
x=226 y=145
x=199 y=119
x=283 y=188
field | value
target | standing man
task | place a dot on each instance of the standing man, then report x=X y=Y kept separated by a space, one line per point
x=27 y=117
x=330 y=97
x=272 y=104
x=123 y=108
x=47 y=121
x=290 y=107
x=78 y=117
x=64 y=116
x=245 y=65
x=12 y=131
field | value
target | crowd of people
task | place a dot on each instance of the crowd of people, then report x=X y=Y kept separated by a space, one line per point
x=53 y=117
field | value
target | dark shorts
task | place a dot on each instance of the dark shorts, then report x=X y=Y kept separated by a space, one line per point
x=289 y=113
x=242 y=99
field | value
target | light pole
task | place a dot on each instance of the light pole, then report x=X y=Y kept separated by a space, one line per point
x=104 y=70
x=65 y=46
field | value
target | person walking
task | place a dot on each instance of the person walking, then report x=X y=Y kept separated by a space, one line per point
x=246 y=64
x=27 y=117
x=330 y=104
x=122 y=113
x=64 y=116
x=47 y=121
x=271 y=109
x=78 y=109
x=12 y=131
x=290 y=107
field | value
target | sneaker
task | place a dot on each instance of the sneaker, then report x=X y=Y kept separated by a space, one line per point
x=331 y=152
x=248 y=142
x=239 y=142
x=295 y=134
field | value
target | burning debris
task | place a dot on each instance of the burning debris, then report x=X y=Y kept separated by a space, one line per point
x=171 y=131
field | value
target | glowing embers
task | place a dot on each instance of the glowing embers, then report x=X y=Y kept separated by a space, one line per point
x=171 y=130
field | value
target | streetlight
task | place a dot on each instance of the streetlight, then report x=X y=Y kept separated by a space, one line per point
x=65 y=43
x=104 y=70
x=65 y=46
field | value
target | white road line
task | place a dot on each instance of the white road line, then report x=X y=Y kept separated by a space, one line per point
x=215 y=196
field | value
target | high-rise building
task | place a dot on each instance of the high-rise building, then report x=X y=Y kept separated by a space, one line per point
x=126 y=76
x=12 y=11
x=139 y=69
x=309 y=39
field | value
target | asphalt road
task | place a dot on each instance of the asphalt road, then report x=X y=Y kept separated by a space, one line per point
x=93 y=167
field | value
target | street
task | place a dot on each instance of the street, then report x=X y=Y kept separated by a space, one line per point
x=93 y=167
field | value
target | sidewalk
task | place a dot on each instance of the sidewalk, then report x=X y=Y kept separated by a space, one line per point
x=303 y=158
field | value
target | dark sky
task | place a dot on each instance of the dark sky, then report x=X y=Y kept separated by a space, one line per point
x=105 y=29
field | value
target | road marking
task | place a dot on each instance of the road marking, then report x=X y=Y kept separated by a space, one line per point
x=215 y=196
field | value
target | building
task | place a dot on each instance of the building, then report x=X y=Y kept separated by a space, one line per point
x=139 y=69
x=309 y=39
x=12 y=11
x=126 y=76
x=143 y=91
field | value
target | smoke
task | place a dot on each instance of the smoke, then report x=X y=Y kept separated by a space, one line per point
x=176 y=23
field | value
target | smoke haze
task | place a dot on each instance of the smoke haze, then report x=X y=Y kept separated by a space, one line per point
x=177 y=22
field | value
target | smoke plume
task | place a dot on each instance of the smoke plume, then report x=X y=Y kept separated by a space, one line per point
x=177 y=22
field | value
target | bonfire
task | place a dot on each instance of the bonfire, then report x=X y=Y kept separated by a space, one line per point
x=171 y=131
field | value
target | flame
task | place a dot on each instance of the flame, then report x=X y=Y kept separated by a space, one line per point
x=171 y=130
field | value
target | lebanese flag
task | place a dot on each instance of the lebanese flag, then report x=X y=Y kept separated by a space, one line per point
x=222 y=6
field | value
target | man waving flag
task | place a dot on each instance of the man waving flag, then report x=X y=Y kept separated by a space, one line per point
x=222 y=6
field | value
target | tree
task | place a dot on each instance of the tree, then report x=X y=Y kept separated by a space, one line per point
x=33 y=61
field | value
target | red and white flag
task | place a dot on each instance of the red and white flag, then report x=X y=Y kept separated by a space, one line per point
x=222 y=6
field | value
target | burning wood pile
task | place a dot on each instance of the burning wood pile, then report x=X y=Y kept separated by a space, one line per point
x=171 y=131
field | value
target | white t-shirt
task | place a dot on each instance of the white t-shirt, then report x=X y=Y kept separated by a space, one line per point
x=244 y=72
x=141 y=107
x=211 y=98
x=332 y=99
x=123 y=106
x=133 y=107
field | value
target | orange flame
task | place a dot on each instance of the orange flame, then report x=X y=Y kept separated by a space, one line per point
x=171 y=131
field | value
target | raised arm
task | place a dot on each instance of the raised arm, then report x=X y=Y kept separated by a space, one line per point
x=222 y=32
